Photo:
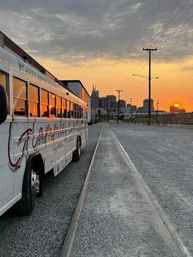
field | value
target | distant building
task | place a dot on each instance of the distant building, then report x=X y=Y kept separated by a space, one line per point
x=103 y=102
x=140 y=109
x=131 y=108
x=94 y=104
x=122 y=103
x=181 y=110
x=111 y=101
x=175 y=108
x=146 y=105
x=122 y=106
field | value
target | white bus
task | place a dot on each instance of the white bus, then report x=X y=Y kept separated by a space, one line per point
x=43 y=127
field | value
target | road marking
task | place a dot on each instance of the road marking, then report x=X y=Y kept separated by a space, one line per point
x=161 y=217
x=67 y=246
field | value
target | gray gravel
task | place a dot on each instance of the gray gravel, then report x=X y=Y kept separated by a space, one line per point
x=164 y=157
x=117 y=220
x=42 y=233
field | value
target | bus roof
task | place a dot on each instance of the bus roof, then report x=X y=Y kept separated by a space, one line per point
x=8 y=44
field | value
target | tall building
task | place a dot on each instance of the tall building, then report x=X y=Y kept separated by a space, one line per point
x=122 y=103
x=111 y=101
x=146 y=105
x=103 y=102
x=122 y=106
x=94 y=104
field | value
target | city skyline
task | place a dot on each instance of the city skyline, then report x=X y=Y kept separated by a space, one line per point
x=144 y=105
x=155 y=105
x=101 y=43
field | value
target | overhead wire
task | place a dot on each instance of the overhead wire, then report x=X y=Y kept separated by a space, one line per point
x=179 y=14
x=173 y=21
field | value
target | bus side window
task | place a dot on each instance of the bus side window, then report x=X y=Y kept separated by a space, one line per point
x=81 y=112
x=68 y=109
x=34 y=101
x=20 y=97
x=64 y=106
x=58 y=107
x=52 y=105
x=72 y=111
x=78 y=111
x=44 y=103
x=75 y=109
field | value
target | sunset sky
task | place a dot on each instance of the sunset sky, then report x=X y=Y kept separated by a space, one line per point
x=100 y=42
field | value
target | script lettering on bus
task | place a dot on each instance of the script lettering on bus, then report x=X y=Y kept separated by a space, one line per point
x=45 y=135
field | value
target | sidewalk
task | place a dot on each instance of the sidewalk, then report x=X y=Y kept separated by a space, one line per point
x=116 y=219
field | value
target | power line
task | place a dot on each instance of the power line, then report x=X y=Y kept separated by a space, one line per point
x=184 y=8
x=173 y=21
x=179 y=14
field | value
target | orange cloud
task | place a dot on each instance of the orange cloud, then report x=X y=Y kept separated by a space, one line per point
x=175 y=83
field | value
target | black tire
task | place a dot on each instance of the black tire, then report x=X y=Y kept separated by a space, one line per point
x=76 y=153
x=31 y=189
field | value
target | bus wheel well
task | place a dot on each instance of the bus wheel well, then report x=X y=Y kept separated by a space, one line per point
x=76 y=153
x=79 y=140
x=38 y=164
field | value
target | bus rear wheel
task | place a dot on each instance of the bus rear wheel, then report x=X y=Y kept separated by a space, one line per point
x=32 y=188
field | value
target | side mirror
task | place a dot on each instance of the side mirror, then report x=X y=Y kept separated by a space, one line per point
x=3 y=104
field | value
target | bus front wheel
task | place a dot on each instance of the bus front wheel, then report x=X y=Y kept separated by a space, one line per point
x=32 y=187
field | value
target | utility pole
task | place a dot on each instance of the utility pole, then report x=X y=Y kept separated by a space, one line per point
x=157 y=105
x=130 y=100
x=149 y=109
x=119 y=92
x=107 y=108
x=157 y=110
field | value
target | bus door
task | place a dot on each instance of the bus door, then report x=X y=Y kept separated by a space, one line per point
x=6 y=173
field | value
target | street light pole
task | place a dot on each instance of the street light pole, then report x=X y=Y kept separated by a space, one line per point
x=149 y=109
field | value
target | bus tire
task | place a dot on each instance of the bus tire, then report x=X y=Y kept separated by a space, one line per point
x=76 y=153
x=31 y=189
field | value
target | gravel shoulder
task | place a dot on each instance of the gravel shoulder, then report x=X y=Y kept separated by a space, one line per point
x=42 y=233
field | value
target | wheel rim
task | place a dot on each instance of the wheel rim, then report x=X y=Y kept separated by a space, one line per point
x=35 y=183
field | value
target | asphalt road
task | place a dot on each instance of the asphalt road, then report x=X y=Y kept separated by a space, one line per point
x=164 y=157
x=118 y=218
x=42 y=233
